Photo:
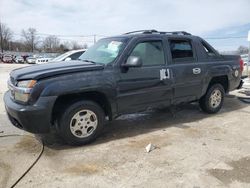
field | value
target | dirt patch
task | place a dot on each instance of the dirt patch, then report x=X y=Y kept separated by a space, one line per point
x=50 y=152
x=240 y=172
x=28 y=144
x=5 y=171
x=83 y=169
x=192 y=132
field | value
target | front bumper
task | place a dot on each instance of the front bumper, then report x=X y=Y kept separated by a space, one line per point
x=34 y=118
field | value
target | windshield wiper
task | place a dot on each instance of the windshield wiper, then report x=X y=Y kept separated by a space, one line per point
x=89 y=61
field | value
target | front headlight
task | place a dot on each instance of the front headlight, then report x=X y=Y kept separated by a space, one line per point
x=22 y=91
x=26 y=83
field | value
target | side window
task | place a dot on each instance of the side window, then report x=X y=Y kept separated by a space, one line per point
x=150 y=52
x=208 y=50
x=181 y=49
x=76 y=55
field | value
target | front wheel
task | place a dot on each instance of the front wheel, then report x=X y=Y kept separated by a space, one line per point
x=81 y=123
x=212 y=101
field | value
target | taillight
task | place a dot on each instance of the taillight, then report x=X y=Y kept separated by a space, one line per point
x=241 y=65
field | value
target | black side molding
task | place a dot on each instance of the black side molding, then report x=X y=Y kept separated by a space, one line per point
x=240 y=85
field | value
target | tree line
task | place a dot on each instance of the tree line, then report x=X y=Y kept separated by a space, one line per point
x=30 y=41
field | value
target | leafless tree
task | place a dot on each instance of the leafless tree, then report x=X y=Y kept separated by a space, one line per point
x=30 y=38
x=85 y=46
x=51 y=44
x=18 y=46
x=242 y=50
x=75 y=45
x=5 y=36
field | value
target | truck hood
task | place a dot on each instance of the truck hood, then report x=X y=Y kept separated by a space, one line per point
x=37 y=72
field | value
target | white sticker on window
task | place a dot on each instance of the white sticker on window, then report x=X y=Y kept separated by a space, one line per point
x=114 y=45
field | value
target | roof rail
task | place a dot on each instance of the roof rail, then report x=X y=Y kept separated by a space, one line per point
x=158 y=32
x=175 y=33
x=142 y=31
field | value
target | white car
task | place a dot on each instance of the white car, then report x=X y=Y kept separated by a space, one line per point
x=246 y=62
x=245 y=59
x=31 y=60
x=70 y=55
x=43 y=60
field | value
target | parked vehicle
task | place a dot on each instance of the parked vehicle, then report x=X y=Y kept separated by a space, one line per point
x=119 y=75
x=31 y=60
x=245 y=59
x=70 y=55
x=19 y=59
x=43 y=60
x=7 y=58
x=246 y=63
x=1 y=57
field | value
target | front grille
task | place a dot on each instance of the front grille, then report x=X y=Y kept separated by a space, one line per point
x=12 y=80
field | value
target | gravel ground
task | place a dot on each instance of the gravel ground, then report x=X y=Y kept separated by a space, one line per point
x=193 y=149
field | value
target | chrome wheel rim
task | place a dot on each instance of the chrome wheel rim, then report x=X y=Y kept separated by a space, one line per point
x=215 y=98
x=83 y=123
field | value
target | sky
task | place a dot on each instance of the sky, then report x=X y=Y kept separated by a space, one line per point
x=72 y=18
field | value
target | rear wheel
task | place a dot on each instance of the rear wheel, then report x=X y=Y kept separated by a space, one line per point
x=212 y=101
x=81 y=123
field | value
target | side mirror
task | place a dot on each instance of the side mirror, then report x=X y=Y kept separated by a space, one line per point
x=68 y=59
x=133 y=61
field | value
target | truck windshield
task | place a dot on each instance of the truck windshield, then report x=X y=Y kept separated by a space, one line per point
x=104 y=51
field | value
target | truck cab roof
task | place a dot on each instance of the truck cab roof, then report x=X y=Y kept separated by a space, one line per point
x=155 y=33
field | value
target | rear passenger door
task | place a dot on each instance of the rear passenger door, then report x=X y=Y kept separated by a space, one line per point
x=187 y=73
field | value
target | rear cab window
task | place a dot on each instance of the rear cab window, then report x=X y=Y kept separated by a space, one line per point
x=208 y=50
x=181 y=50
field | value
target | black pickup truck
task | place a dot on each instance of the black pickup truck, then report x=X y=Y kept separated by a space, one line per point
x=118 y=75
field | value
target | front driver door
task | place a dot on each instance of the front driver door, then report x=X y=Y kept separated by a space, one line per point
x=147 y=86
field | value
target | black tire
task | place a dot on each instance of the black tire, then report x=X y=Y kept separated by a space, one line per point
x=66 y=119
x=205 y=101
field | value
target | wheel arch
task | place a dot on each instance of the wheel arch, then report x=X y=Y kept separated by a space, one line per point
x=222 y=79
x=65 y=100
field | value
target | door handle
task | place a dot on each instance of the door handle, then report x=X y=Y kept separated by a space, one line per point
x=167 y=73
x=196 y=70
